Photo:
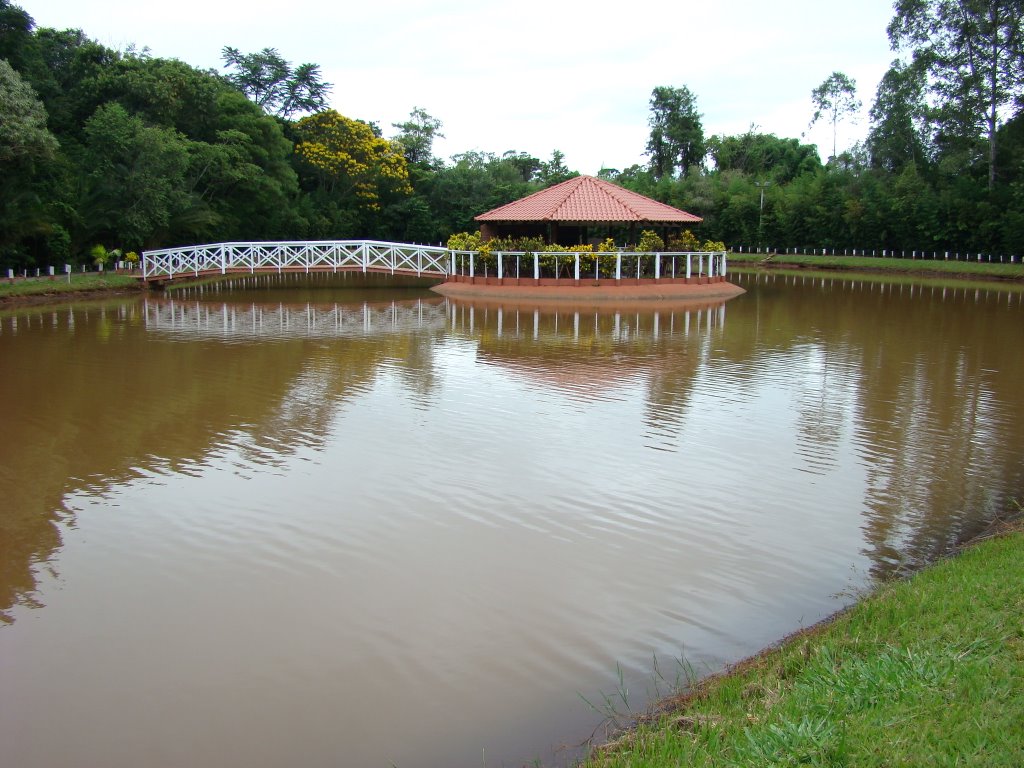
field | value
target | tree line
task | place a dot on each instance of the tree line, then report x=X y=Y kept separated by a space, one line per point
x=128 y=151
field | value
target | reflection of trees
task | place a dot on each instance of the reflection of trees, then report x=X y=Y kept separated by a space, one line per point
x=938 y=415
x=821 y=417
x=930 y=376
x=93 y=399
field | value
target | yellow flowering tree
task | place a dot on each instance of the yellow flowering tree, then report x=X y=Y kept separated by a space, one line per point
x=348 y=158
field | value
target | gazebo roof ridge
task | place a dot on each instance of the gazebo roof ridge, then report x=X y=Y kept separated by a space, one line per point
x=588 y=199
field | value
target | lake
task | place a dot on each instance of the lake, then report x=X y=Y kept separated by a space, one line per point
x=328 y=525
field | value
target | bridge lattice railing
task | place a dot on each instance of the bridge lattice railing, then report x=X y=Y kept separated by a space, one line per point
x=365 y=255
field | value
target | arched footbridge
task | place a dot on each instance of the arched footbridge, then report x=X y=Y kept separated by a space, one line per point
x=291 y=257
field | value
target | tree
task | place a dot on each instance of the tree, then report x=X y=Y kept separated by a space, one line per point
x=26 y=148
x=348 y=158
x=15 y=34
x=478 y=181
x=417 y=134
x=677 y=136
x=23 y=131
x=764 y=155
x=971 y=52
x=835 y=99
x=269 y=80
x=134 y=178
x=898 y=133
x=555 y=171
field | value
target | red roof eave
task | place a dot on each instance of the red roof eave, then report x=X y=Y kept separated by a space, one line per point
x=587 y=200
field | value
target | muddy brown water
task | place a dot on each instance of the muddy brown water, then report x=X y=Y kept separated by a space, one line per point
x=332 y=528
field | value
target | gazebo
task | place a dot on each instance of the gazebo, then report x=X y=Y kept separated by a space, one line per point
x=566 y=213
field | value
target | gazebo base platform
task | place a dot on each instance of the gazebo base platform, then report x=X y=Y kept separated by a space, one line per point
x=590 y=291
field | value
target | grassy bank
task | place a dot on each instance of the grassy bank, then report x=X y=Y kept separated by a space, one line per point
x=30 y=288
x=925 y=672
x=974 y=269
x=982 y=269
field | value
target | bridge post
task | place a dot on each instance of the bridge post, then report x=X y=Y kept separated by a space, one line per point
x=471 y=265
x=498 y=254
x=657 y=266
x=618 y=266
x=223 y=262
x=688 y=265
x=536 y=266
x=365 y=256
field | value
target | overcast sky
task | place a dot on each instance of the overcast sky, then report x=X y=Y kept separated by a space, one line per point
x=531 y=75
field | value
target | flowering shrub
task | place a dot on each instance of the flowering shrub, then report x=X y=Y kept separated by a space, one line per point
x=684 y=241
x=519 y=244
x=472 y=241
x=469 y=241
x=650 y=242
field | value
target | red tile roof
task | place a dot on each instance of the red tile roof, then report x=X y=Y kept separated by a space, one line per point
x=590 y=200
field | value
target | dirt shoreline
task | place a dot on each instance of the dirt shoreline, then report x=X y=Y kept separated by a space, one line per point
x=61 y=297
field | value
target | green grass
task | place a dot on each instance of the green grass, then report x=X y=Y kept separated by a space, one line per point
x=80 y=282
x=925 y=672
x=867 y=263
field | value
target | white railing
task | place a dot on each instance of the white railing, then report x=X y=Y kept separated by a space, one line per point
x=318 y=256
x=401 y=258
x=576 y=265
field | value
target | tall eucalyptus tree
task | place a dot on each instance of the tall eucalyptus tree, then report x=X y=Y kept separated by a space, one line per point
x=972 y=52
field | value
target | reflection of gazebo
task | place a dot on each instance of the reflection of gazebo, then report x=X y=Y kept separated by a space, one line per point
x=566 y=212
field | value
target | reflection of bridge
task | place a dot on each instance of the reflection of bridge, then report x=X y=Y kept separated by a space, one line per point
x=207 y=319
x=234 y=320
x=290 y=257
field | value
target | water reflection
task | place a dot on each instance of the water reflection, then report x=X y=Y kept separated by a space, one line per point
x=102 y=395
x=922 y=383
x=205 y=319
x=356 y=517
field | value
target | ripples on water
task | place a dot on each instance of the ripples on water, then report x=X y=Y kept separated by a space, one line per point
x=368 y=530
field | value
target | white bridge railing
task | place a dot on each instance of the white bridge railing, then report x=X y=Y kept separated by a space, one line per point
x=318 y=256
x=577 y=265
x=401 y=258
